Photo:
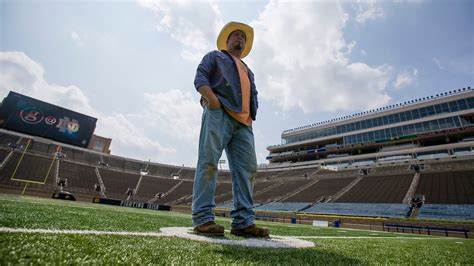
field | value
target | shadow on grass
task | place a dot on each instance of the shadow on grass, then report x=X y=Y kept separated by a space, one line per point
x=285 y=256
x=226 y=236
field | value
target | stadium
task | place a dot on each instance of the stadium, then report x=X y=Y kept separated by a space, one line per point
x=391 y=185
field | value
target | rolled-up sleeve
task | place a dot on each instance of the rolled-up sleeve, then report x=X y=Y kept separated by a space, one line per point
x=204 y=70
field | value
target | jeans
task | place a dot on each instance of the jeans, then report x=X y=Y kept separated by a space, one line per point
x=221 y=132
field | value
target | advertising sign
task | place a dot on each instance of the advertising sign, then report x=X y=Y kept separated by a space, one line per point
x=27 y=115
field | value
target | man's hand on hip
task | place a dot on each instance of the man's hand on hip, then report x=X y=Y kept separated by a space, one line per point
x=210 y=98
x=214 y=104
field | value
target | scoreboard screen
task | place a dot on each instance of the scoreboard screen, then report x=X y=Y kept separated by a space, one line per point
x=27 y=115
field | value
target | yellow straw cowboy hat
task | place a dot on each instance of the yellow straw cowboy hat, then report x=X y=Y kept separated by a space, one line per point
x=228 y=29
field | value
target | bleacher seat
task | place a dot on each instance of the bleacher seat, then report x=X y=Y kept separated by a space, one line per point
x=6 y=138
x=28 y=167
x=223 y=188
x=361 y=209
x=283 y=206
x=229 y=206
x=278 y=191
x=163 y=170
x=446 y=184
x=3 y=154
x=324 y=188
x=463 y=212
x=433 y=156
x=150 y=186
x=363 y=163
x=182 y=193
x=379 y=189
x=81 y=177
x=464 y=153
x=117 y=183
x=453 y=187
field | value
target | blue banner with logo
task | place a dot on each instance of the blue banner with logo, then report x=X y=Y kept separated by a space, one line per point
x=34 y=117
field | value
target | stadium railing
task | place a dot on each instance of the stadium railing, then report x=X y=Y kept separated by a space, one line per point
x=429 y=230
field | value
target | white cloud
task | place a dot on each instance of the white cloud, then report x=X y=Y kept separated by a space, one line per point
x=74 y=35
x=194 y=24
x=77 y=38
x=21 y=74
x=405 y=78
x=409 y=1
x=438 y=63
x=300 y=59
x=178 y=112
x=368 y=10
x=300 y=56
x=129 y=138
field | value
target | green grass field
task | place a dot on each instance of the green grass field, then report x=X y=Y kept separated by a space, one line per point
x=42 y=248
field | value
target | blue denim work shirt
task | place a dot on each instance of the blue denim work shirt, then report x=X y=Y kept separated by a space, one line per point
x=219 y=71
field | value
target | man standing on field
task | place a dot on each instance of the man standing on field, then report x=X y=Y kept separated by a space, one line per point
x=229 y=98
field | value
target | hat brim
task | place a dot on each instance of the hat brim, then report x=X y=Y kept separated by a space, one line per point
x=228 y=29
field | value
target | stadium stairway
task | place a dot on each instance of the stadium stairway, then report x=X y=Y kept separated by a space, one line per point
x=224 y=197
x=179 y=195
x=272 y=186
x=323 y=189
x=223 y=192
x=118 y=183
x=153 y=187
x=412 y=189
x=158 y=197
x=103 y=189
x=186 y=199
x=346 y=189
x=81 y=178
x=4 y=156
x=137 y=187
x=413 y=212
x=299 y=190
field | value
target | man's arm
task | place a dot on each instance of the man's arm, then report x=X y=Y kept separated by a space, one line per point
x=201 y=81
x=209 y=97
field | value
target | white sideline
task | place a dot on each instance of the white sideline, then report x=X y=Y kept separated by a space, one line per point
x=78 y=232
x=186 y=232
x=374 y=237
x=181 y=232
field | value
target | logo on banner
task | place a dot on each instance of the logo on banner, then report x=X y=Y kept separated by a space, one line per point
x=50 y=120
x=66 y=125
x=31 y=115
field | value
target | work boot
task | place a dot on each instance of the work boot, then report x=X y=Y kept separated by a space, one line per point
x=209 y=229
x=251 y=231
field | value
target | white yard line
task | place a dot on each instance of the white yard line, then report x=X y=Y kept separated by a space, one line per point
x=373 y=237
x=186 y=232
x=78 y=232
x=181 y=232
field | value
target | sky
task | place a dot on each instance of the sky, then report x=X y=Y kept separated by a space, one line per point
x=131 y=64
